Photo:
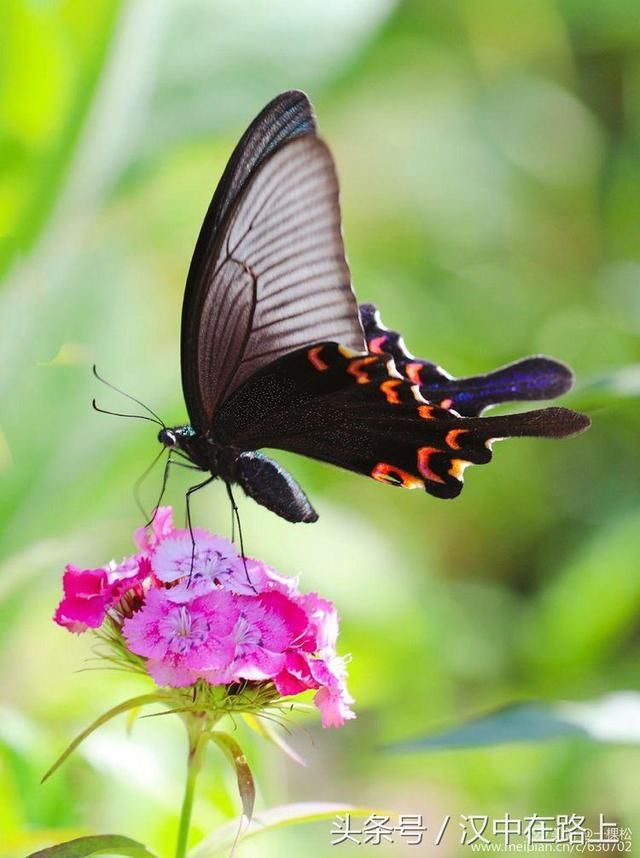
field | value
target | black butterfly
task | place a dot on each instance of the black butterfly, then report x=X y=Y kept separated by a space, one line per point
x=274 y=351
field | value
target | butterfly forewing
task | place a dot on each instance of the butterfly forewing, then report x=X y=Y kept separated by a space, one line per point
x=279 y=279
x=288 y=116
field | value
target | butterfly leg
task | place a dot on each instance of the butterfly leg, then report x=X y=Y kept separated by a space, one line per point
x=165 y=477
x=190 y=492
x=163 y=488
x=140 y=480
x=235 y=514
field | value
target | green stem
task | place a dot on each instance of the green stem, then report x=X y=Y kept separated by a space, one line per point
x=197 y=744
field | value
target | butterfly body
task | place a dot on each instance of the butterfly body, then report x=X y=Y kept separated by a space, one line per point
x=276 y=353
x=260 y=477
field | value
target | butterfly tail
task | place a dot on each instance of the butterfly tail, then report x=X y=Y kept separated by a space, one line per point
x=468 y=442
x=526 y=380
x=529 y=379
x=545 y=423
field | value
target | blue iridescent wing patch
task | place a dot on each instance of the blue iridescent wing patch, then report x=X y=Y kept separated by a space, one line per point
x=526 y=380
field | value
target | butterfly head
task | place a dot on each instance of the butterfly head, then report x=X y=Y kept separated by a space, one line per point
x=175 y=437
x=168 y=437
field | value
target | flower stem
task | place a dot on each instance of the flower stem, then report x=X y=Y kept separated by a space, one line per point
x=197 y=743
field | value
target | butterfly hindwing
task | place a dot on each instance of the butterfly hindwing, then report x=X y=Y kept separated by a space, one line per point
x=529 y=379
x=356 y=412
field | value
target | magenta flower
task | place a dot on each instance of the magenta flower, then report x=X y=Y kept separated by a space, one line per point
x=265 y=627
x=211 y=557
x=191 y=612
x=132 y=574
x=160 y=528
x=90 y=593
x=181 y=641
x=295 y=676
x=323 y=621
x=326 y=674
x=87 y=595
x=332 y=698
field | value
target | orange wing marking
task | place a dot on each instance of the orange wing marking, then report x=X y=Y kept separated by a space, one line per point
x=424 y=454
x=452 y=438
x=375 y=345
x=384 y=473
x=413 y=372
x=388 y=388
x=355 y=368
x=317 y=362
x=346 y=352
x=426 y=412
x=457 y=468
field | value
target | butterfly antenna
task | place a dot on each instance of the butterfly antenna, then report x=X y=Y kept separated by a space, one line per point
x=96 y=407
x=236 y=514
x=128 y=396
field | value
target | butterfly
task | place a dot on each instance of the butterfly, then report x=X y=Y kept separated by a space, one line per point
x=276 y=353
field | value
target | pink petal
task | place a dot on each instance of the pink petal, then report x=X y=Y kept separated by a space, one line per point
x=189 y=589
x=332 y=699
x=258 y=578
x=217 y=654
x=174 y=675
x=213 y=557
x=222 y=609
x=161 y=528
x=215 y=677
x=256 y=664
x=334 y=708
x=295 y=676
x=279 y=620
x=323 y=620
x=132 y=572
x=84 y=583
x=87 y=597
x=143 y=630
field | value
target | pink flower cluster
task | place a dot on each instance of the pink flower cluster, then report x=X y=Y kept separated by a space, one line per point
x=217 y=618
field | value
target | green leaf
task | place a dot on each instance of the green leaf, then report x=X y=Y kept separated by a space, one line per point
x=589 y=606
x=40 y=80
x=223 y=838
x=101 y=844
x=246 y=784
x=133 y=703
x=614 y=718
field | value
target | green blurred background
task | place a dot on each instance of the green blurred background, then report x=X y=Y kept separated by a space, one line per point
x=490 y=171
